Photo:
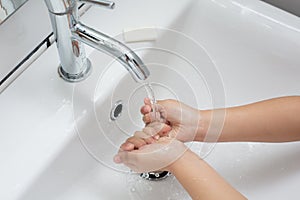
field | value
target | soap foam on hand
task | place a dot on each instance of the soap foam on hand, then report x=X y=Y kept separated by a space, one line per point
x=142 y=34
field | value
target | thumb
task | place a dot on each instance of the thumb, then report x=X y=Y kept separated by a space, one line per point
x=121 y=157
x=124 y=157
x=127 y=158
x=117 y=159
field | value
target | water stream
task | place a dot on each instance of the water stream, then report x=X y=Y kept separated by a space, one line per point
x=151 y=96
x=156 y=175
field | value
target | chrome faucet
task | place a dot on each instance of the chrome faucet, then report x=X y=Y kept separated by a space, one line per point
x=70 y=33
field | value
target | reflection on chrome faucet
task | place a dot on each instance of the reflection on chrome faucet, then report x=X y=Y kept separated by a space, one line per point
x=70 y=33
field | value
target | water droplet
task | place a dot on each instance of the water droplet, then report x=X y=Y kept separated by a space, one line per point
x=149 y=188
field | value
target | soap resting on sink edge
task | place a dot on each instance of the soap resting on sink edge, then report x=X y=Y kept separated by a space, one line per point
x=141 y=34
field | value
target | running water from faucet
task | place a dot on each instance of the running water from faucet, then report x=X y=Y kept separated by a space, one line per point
x=155 y=175
x=151 y=96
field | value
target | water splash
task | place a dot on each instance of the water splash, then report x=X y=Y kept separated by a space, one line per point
x=140 y=188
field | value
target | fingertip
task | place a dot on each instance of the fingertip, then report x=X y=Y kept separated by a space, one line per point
x=147 y=101
x=127 y=146
x=145 y=109
x=117 y=159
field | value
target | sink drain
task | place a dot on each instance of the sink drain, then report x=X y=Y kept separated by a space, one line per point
x=116 y=111
x=155 y=176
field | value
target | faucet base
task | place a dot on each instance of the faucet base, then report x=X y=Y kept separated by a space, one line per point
x=76 y=77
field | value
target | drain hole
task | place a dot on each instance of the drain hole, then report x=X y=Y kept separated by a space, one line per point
x=155 y=176
x=116 y=111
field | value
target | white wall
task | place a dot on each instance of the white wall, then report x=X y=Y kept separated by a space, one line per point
x=292 y=6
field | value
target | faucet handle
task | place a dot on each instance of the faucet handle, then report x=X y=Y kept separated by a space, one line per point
x=102 y=3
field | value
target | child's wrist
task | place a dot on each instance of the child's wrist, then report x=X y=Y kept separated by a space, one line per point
x=180 y=162
x=203 y=124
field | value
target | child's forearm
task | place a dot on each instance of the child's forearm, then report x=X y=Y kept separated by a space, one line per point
x=200 y=180
x=274 y=120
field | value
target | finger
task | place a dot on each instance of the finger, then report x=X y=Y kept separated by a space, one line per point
x=127 y=146
x=155 y=116
x=147 y=101
x=147 y=119
x=127 y=158
x=157 y=131
x=157 y=128
x=173 y=134
x=148 y=138
x=146 y=109
x=162 y=111
x=148 y=104
x=141 y=134
x=117 y=159
x=151 y=117
x=121 y=157
x=136 y=141
x=150 y=131
x=165 y=130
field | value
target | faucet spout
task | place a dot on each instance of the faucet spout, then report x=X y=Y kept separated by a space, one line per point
x=106 y=44
x=70 y=34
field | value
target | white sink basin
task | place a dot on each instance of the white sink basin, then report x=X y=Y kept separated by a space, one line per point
x=57 y=139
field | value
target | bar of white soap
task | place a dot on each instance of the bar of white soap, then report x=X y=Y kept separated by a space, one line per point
x=142 y=34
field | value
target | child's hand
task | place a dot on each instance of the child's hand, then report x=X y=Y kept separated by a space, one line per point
x=148 y=135
x=184 y=120
x=157 y=155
